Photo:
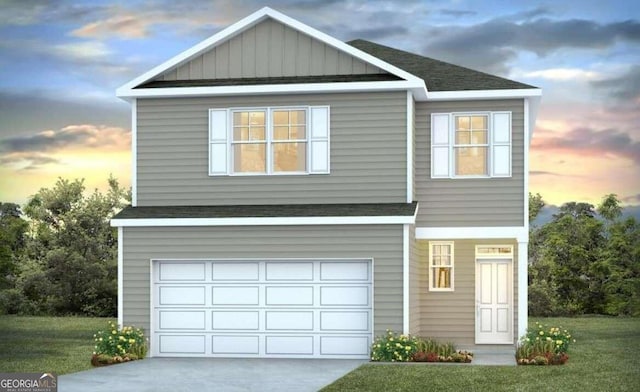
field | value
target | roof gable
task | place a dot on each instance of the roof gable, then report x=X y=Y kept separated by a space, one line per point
x=187 y=63
x=269 y=49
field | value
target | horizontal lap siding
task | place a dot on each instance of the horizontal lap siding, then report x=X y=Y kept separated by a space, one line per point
x=269 y=49
x=469 y=202
x=368 y=153
x=451 y=316
x=383 y=244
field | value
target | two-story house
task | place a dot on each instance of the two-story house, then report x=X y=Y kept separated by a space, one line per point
x=295 y=196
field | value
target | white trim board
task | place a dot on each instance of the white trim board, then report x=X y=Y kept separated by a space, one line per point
x=134 y=152
x=120 y=276
x=453 y=233
x=405 y=279
x=410 y=163
x=127 y=90
x=273 y=89
x=483 y=94
x=292 y=221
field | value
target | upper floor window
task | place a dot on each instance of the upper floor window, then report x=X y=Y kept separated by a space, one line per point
x=471 y=145
x=269 y=141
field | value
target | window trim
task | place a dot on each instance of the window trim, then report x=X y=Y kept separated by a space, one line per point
x=451 y=133
x=431 y=266
x=318 y=139
x=268 y=110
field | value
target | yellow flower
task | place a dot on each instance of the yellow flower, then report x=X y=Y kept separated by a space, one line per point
x=558 y=342
x=114 y=332
x=131 y=341
x=541 y=332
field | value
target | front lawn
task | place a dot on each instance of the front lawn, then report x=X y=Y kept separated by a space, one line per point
x=604 y=358
x=47 y=344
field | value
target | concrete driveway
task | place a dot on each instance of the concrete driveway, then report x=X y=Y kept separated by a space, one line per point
x=210 y=374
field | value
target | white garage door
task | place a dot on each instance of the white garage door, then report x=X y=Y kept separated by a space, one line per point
x=262 y=308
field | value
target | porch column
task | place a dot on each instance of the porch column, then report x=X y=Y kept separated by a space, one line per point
x=523 y=286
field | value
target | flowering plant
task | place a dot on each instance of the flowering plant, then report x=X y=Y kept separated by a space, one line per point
x=392 y=347
x=114 y=342
x=551 y=343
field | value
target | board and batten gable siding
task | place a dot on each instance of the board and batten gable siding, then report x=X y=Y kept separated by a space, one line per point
x=451 y=315
x=382 y=243
x=269 y=49
x=368 y=153
x=467 y=202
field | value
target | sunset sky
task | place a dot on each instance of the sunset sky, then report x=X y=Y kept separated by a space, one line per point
x=61 y=61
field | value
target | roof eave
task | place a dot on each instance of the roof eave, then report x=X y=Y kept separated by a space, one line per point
x=483 y=94
x=266 y=89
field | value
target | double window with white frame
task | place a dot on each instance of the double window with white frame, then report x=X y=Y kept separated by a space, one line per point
x=441 y=266
x=269 y=141
x=471 y=145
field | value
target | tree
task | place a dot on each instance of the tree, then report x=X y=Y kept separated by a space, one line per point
x=535 y=206
x=70 y=264
x=12 y=237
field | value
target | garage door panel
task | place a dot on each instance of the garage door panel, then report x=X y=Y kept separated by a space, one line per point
x=262 y=308
x=344 y=271
x=235 y=295
x=289 y=271
x=226 y=344
x=344 y=321
x=235 y=320
x=182 y=344
x=182 y=271
x=344 y=345
x=239 y=271
x=344 y=296
x=181 y=295
x=289 y=296
x=176 y=319
x=294 y=321
x=289 y=345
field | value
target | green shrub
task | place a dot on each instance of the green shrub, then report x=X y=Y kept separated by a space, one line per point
x=550 y=343
x=116 y=342
x=392 y=347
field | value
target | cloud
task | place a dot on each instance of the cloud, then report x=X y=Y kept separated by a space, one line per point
x=122 y=26
x=587 y=141
x=632 y=199
x=490 y=45
x=457 y=13
x=563 y=74
x=87 y=51
x=543 y=173
x=625 y=87
x=27 y=160
x=72 y=136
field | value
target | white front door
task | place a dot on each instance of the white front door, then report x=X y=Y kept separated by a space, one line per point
x=494 y=314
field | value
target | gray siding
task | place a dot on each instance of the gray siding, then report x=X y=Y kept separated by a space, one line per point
x=451 y=316
x=383 y=244
x=269 y=49
x=469 y=202
x=368 y=153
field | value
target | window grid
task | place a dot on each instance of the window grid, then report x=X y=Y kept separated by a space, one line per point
x=270 y=140
x=471 y=143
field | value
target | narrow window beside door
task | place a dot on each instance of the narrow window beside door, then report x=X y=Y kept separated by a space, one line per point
x=441 y=266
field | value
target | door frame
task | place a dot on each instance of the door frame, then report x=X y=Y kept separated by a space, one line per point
x=506 y=254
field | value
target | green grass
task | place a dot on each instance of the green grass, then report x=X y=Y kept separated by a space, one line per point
x=47 y=344
x=606 y=357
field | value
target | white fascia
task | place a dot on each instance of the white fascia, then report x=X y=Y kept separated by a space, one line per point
x=248 y=22
x=280 y=221
x=453 y=233
x=271 y=89
x=482 y=94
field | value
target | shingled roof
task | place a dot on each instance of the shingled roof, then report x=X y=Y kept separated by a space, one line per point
x=437 y=75
x=269 y=211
